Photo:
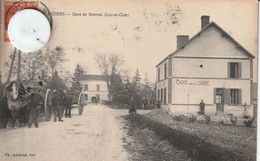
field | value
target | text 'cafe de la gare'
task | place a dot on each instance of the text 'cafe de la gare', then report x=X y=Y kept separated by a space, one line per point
x=211 y=66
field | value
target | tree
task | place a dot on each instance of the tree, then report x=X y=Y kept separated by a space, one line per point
x=148 y=90
x=109 y=65
x=137 y=82
x=56 y=82
x=78 y=76
x=55 y=57
x=33 y=66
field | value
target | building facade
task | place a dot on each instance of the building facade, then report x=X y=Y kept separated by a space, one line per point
x=94 y=86
x=211 y=66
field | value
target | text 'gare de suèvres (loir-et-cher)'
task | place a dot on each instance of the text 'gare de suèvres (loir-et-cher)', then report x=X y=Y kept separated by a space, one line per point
x=101 y=14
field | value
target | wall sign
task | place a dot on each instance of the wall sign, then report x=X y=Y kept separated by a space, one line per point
x=192 y=82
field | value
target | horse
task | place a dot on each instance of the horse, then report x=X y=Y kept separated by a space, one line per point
x=68 y=101
x=15 y=93
x=94 y=100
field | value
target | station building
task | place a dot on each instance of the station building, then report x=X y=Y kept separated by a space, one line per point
x=210 y=66
x=94 y=86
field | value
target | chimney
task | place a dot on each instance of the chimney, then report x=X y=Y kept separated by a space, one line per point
x=204 y=21
x=181 y=40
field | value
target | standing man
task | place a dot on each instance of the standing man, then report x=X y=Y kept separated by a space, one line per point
x=35 y=101
x=145 y=102
x=57 y=104
x=202 y=107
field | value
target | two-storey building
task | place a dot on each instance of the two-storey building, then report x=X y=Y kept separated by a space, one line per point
x=94 y=86
x=211 y=66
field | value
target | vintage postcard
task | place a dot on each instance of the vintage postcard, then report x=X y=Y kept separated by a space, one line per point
x=128 y=80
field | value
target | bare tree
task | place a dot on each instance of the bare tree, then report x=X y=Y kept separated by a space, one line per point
x=109 y=65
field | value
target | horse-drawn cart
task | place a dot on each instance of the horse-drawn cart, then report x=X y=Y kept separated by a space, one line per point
x=81 y=103
x=47 y=104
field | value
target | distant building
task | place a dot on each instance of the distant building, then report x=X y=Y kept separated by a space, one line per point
x=211 y=66
x=94 y=86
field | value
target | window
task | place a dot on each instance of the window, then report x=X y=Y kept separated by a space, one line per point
x=234 y=70
x=97 y=87
x=158 y=74
x=165 y=70
x=86 y=97
x=234 y=96
x=85 y=87
x=158 y=95
x=218 y=98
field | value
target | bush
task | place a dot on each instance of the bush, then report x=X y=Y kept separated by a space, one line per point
x=233 y=120
x=121 y=98
x=193 y=118
x=106 y=102
x=181 y=118
x=207 y=118
x=222 y=122
x=124 y=99
x=249 y=122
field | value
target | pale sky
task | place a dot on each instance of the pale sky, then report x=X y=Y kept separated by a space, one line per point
x=147 y=35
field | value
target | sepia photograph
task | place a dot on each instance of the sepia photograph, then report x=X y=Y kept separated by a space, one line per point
x=131 y=80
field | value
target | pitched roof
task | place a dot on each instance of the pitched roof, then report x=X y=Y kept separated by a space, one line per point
x=94 y=77
x=196 y=35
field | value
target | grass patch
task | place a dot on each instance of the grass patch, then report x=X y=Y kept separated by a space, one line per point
x=193 y=145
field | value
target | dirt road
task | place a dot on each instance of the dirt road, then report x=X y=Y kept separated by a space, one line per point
x=95 y=135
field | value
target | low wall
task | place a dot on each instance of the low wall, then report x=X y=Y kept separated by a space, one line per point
x=238 y=111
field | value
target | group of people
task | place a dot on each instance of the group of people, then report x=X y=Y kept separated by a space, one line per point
x=59 y=102
x=26 y=106
x=94 y=100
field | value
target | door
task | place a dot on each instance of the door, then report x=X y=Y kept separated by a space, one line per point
x=98 y=98
x=219 y=99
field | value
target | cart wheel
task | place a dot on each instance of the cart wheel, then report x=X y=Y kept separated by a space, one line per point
x=81 y=103
x=47 y=105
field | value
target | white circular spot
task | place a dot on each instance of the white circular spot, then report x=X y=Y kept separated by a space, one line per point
x=29 y=30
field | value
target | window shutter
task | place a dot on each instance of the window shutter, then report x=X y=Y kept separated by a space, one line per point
x=239 y=70
x=228 y=69
x=240 y=96
x=214 y=95
x=162 y=95
x=227 y=96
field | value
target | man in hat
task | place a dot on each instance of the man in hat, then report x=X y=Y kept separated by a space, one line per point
x=202 y=107
x=57 y=104
x=35 y=101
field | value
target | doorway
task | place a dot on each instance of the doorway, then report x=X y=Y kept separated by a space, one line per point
x=219 y=97
x=98 y=98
